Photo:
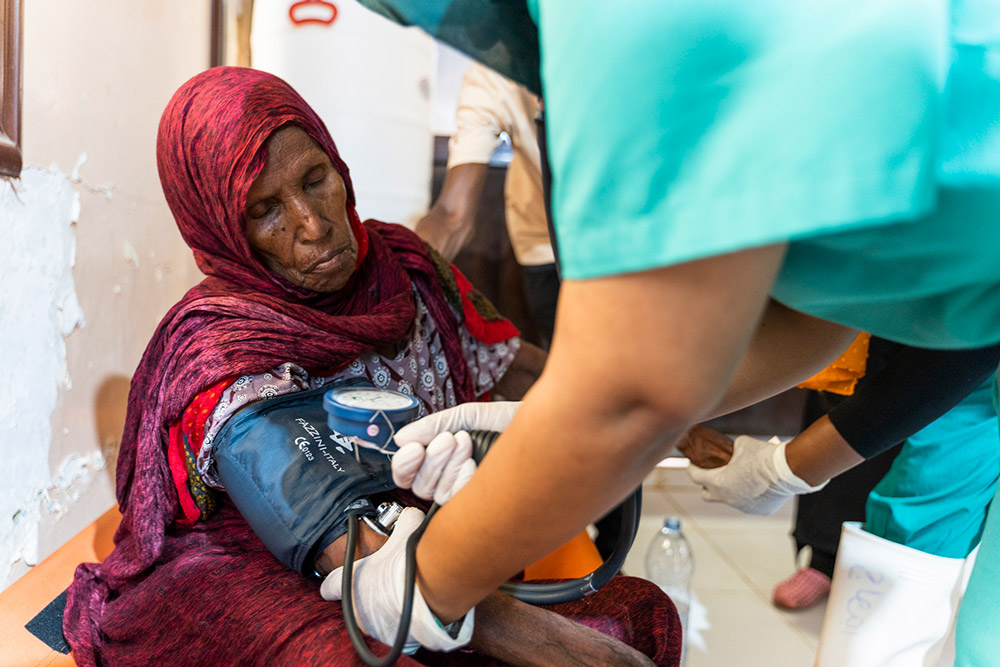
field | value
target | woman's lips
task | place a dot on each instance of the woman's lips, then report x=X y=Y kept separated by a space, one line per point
x=330 y=262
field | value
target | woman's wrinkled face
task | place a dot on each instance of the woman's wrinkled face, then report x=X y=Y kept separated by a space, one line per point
x=297 y=214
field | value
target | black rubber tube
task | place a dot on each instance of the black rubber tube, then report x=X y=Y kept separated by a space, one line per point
x=573 y=589
x=409 y=579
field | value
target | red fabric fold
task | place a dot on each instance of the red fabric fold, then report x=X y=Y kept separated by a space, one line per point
x=488 y=327
x=179 y=474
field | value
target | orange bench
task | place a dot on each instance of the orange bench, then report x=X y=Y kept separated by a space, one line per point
x=30 y=594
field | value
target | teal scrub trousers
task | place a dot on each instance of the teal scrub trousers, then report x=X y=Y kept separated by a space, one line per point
x=977 y=640
x=936 y=496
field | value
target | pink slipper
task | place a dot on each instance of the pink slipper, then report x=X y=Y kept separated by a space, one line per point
x=801 y=590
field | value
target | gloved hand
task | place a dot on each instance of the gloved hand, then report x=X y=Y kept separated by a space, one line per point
x=378 y=595
x=437 y=471
x=433 y=462
x=757 y=480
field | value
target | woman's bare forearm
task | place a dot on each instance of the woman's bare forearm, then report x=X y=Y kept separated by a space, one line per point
x=332 y=556
x=526 y=636
x=523 y=372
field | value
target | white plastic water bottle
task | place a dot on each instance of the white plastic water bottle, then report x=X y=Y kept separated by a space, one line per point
x=669 y=565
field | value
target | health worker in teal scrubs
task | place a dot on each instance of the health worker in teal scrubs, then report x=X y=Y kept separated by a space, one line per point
x=737 y=189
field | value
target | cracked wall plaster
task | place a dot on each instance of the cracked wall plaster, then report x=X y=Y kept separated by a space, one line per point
x=38 y=309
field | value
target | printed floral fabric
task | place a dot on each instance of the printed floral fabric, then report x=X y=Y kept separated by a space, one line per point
x=419 y=369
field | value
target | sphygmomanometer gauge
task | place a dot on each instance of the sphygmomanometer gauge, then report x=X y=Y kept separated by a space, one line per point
x=369 y=414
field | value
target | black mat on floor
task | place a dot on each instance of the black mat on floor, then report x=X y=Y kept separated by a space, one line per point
x=47 y=625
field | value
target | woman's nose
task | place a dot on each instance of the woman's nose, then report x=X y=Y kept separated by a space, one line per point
x=309 y=224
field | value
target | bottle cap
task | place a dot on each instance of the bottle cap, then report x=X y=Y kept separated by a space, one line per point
x=672 y=523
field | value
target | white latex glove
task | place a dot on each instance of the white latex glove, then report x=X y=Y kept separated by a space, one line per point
x=489 y=416
x=757 y=479
x=378 y=594
x=437 y=471
x=433 y=462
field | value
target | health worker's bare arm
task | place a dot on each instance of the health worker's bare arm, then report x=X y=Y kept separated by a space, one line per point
x=637 y=359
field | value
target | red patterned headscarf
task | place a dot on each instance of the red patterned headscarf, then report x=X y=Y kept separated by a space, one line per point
x=242 y=318
x=210 y=149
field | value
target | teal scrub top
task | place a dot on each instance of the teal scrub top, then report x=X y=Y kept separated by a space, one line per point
x=864 y=134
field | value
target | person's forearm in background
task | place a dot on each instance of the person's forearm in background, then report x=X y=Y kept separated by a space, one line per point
x=915 y=388
x=820 y=453
x=449 y=224
x=636 y=360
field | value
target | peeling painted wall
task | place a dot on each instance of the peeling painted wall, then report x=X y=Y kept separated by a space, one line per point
x=84 y=231
x=38 y=308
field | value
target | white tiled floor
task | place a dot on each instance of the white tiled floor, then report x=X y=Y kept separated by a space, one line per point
x=738 y=560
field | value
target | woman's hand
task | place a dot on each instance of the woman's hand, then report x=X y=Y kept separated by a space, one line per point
x=706 y=448
x=333 y=556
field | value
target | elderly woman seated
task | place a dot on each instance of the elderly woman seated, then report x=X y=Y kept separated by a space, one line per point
x=299 y=294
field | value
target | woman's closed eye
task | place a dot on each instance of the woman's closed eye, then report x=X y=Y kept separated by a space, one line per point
x=262 y=209
x=315 y=178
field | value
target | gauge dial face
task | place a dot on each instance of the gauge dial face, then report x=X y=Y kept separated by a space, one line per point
x=373 y=399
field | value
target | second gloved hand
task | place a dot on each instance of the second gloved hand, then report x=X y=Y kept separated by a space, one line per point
x=757 y=480
x=432 y=461
x=378 y=595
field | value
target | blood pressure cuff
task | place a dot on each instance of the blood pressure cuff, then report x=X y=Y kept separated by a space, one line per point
x=293 y=479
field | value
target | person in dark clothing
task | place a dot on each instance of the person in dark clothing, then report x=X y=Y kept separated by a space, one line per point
x=916 y=491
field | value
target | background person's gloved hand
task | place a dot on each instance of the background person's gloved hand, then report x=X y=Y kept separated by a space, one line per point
x=757 y=480
x=432 y=461
x=378 y=595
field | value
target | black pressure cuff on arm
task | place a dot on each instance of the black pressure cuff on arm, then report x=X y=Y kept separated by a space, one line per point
x=295 y=480
x=913 y=389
